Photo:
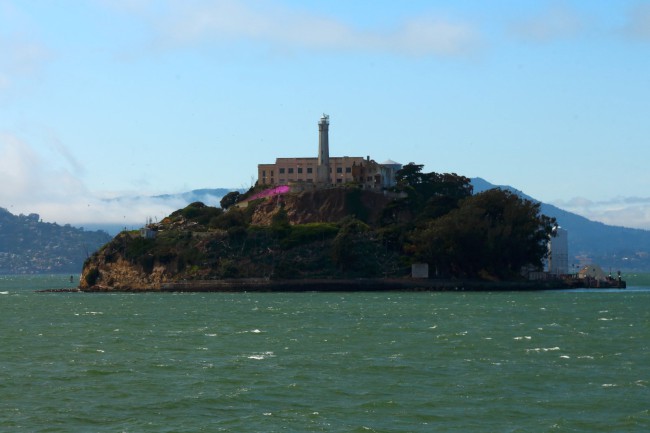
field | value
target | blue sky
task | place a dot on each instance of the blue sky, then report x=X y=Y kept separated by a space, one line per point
x=100 y=98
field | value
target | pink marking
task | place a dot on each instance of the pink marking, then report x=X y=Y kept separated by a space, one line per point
x=278 y=190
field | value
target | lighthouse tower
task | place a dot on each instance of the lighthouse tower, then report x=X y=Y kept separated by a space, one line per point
x=323 y=168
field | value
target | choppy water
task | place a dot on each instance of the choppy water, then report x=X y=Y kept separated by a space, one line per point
x=324 y=362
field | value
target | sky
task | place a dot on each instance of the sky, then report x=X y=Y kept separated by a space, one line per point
x=131 y=98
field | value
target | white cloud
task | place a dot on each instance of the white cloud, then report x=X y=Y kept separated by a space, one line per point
x=224 y=21
x=33 y=184
x=557 y=21
x=619 y=211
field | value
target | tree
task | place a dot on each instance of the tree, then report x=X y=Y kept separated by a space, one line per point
x=492 y=234
x=229 y=199
x=428 y=195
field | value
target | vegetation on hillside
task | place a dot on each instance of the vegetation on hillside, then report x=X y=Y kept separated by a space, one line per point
x=434 y=219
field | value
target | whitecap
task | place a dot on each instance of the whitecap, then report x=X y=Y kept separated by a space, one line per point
x=4 y=293
x=565 y=356
x=256 y=357
x=525 y=337
x=609 y=385
x=543 y=349
x=210 y=335
x=605 y=319
x=262 y=355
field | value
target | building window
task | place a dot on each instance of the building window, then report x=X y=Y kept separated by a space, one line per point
x=271 y=173
x=339 y=180
x=310 y=180
x=282 y=171
x=369 y=179
x=339 y=169
x=348 y=169
x=263 y=173
x=299 y=170
x=282 y=181
x=291 y=170
x=272 y=180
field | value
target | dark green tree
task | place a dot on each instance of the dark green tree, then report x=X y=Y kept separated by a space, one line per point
x=492 y=235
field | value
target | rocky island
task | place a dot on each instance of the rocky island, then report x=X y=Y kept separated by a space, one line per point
x=342 y=237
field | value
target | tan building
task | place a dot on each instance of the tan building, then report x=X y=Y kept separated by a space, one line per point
x=327 y=171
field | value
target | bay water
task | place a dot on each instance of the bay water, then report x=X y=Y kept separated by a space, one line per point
x=551 y=361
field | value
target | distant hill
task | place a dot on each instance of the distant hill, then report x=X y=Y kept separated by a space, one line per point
x=590 y=241
x=29 y=246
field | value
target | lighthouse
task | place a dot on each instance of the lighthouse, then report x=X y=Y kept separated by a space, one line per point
x=323 y=168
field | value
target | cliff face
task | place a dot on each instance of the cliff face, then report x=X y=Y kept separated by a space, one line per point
x=330 y=205
x=108 y=269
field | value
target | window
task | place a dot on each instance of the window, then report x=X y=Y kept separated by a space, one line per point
x=348 y=169
x=299 y=170
x=309 y=170
x=271 y=173
x=339 y=169
x=282 y=171
x=339 y=180
x=290 y=170
x=263 y=173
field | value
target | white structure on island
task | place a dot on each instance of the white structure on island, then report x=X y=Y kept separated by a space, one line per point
x=558 y=252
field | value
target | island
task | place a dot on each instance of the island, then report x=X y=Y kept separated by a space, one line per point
x=427 y=231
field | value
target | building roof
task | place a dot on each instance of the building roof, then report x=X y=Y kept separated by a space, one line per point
x=390 y=162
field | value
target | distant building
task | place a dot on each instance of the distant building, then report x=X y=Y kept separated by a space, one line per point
x=558 y=252
x=593 y=272
x=325 y=171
